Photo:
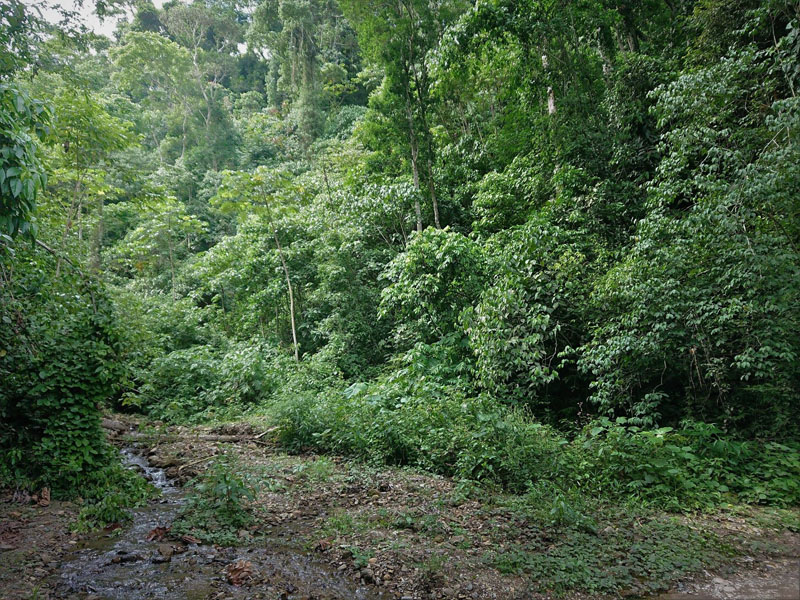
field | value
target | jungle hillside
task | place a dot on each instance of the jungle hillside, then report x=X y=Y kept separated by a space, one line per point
x=463 y=299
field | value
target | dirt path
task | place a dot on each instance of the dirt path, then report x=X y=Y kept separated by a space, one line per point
x=328 y=528
x=777 y=579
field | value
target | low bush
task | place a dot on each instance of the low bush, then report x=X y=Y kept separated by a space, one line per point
x=216 y=508
x=694 y=467
x=115 y=489
x=424 y=424
x=204 y=382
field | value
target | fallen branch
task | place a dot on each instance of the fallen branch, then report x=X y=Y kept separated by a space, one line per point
x=263 y=433
x=172 y=437
x=134 y=436
x=194 y=462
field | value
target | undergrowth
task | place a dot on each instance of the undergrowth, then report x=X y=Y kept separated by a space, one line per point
x=642 y=556
x=116 y=489
x=217 y=507
x=436 y=428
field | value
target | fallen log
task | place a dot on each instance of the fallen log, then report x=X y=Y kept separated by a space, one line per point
x=113 y=425
x=172 y=437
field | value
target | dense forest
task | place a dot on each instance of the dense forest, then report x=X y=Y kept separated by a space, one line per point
x=546 y=246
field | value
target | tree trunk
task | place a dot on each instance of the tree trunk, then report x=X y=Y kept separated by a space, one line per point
x=412 y=138
x=171 y=255
x=291 y=295
x=432 y=191
x=97 y=240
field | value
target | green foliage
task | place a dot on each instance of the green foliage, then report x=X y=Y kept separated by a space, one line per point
x=521 y=329
x=559 y=508
x=217 y=508
x=551 y=247
x=403 y=419
x=23 y=121
x=721 y=348
x=360 y=557
x=439 y=274
x=204 y=382
x=314 y=72
x=19 y=29
x=59 y=364
x=646 y=557
x=694 y=467
x=114 y=490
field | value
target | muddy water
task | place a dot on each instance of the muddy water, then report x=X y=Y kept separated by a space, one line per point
x=124 y=565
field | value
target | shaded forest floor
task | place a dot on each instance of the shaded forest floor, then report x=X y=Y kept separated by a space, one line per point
x=398 y=533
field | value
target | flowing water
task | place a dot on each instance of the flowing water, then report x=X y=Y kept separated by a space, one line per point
x=124 y=565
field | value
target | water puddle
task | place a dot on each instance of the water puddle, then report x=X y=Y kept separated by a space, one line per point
x=123 y=564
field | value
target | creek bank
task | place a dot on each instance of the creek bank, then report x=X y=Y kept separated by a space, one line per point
x=420 y=536
x=33 y=541
x=143 y=561
x=326 y=528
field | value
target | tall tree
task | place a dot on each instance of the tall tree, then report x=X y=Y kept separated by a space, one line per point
x=305 y=43
x=270 y=194
x=400 y=36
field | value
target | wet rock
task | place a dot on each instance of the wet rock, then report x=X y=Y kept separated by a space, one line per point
x=163 y=462
x=124 y=557
x=163 y=554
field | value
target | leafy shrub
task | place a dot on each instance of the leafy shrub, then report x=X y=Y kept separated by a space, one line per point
x=340 y=124
x=59 y=364
x=439 y=274
x=521 y=329
x=405 y=419
x=700 y=317
x=203 y=382
x=114 y=490
x=695 y=467
x=23 y=121
x=176 y=382
x=217 y=507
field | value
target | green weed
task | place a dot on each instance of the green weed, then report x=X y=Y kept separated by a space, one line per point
x=644 y=557
x=217 y=507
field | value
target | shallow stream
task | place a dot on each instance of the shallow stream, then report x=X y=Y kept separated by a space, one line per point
x=123 y=564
